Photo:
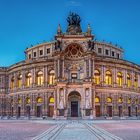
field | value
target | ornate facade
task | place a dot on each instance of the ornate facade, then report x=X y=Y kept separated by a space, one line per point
x=72 y=76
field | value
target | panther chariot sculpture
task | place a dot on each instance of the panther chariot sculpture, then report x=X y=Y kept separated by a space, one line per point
x=74 y=21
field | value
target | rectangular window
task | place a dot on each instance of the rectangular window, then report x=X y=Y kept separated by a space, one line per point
x=48 y=50
x=99 y=50
x=106 y=52
x=34 y=54
x=113 y=53
x=74 y=76
x=29 y=56
x=41 y=52
x=118 y=55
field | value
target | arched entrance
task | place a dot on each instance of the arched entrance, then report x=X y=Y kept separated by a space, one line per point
x=74 y=99
x=51 y=107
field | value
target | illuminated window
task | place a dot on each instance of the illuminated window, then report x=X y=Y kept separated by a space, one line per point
x=108 y=78
x=128 y=80
x=136 y=81
x=96 y=77
x=40 y=79
x=136 y=101
x=109 y=100
x=120 y=100
x=39 y=100
x=28 y=79
x=119 y=78
x=19 y=101
x=51 y=77
x=28 y=100
x=51 y=100
x=97 y=100
x=19 y=81
x=129 y=101
x=12 y=84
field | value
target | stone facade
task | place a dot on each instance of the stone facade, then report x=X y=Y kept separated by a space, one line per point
x=72 y=76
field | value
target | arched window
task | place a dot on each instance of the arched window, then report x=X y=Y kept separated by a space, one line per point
x=40 y=79
x=129 y=101
x=19 y=81
x=97 y=100
x=108 y=77
x=12 y=83
x=136 y=101
x=97 y=77
x=119 y=79
x=136 y=81
x=129 y=82
x=28 y=100
x=39 y=100
x=120 y=100
x=109 y=100
x=28 y=79
x=19 y=101
x=51 y=77
x=51 y=100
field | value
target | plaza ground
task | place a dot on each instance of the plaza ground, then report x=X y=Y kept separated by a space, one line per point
x=69 y=129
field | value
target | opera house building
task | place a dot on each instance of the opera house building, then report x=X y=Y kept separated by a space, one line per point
x=72 y=76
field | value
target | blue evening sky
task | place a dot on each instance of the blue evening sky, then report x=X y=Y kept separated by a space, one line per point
x=26 y=22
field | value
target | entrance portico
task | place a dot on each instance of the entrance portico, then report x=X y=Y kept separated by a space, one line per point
x=74 y=104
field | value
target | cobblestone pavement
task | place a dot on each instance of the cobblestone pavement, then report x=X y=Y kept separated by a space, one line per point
x=76 y=130
x=127 y=130
x=69 y=130
x=21 y=130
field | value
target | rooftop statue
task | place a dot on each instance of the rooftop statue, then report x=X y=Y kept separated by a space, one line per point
x=74 y=21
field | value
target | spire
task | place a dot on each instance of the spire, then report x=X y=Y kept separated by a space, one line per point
x=88 y=30
x=59 y=30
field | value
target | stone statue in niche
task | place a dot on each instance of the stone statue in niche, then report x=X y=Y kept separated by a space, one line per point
x=87 y=103
x=61 y=104
x=58 y=46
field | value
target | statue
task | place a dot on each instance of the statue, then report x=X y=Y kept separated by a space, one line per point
x=87 y=103
x=90 y=45
x=74 y=19
x=58 y=45
x=61 y=104
x=74 y=24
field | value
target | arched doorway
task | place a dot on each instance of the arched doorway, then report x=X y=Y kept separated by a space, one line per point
x=39 y=107
x=74 y=99
x=51 y=107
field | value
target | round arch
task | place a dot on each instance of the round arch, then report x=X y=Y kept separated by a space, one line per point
x=74 y=103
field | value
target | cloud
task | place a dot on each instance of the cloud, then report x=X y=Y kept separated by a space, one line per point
x=73 y=3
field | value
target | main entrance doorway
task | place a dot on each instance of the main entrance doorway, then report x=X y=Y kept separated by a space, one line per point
x=74 y=109
x=74 y=104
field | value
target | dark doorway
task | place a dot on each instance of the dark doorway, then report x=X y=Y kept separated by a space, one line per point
x=136 y=109
x=51 y=111
x=38 y=111
x=97 y=111
x=74 y=109
x=129 y=111
x=109 y=111
x=120 y=111
x=28 y=111
x=19 y=111
x=12 y=111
